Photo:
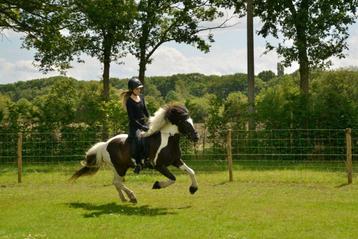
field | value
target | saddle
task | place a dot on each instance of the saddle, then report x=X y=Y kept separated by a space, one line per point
x=143 y=146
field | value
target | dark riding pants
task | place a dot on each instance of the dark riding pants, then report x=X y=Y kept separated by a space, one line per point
x=136 y=145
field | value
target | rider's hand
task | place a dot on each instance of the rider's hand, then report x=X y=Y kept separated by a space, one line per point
x=142 y=133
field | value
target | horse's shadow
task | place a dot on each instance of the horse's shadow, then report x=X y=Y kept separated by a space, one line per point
x=94 y=210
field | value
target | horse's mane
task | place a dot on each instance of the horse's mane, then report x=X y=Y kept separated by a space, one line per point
x=164 y=115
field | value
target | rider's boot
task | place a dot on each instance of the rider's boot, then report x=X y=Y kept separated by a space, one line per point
x=138 y=167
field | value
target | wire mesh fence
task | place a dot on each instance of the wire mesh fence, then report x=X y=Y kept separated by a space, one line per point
x=316 y=149
x=46 y=147
x=299 y=149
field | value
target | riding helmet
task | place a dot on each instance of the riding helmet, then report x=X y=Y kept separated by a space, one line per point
x=133 y=83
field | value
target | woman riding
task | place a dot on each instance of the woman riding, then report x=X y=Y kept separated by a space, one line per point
x=137 y=111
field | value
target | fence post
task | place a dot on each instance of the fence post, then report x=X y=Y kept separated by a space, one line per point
x=19 y=157
x=349 y=163
x=229 y=154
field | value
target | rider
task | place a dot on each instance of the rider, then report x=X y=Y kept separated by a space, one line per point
x=137 y=111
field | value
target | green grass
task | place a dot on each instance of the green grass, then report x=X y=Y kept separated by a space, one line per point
x=266 y=203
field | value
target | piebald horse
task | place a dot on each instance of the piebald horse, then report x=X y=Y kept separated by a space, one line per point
x=162 y=146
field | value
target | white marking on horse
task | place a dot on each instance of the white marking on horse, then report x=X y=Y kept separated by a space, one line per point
x=191 y=173
x=190 y=120
x=165 y=133
x=118 y=183
x=156 y=122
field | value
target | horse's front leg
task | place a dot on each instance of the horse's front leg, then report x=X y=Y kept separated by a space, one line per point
x=194 y=184
x=163 y=184
x=118 y=183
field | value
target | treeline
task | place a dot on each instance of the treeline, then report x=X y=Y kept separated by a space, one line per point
x=66 y=104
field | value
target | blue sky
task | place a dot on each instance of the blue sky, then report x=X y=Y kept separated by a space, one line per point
x=227 y=56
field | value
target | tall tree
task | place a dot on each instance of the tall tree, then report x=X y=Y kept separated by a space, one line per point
x=310 y=31
x=99 y=28
x=161 y=21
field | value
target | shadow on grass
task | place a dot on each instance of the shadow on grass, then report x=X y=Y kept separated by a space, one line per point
x=113 y=208
x=343 y=185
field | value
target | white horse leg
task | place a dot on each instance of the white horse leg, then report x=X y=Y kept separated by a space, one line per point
x=118 y=187
x=118 y=183
x=194 y=184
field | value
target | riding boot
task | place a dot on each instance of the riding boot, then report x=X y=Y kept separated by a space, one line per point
x=138 y=166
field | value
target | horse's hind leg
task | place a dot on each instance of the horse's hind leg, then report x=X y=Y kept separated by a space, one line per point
x=163 y=184
x=194 y=184
x=118 y=183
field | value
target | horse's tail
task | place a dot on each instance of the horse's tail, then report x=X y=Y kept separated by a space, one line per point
x=92 y=162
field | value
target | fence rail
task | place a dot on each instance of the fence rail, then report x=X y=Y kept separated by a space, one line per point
x=308 y=147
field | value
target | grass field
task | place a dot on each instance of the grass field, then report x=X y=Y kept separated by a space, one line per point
x=266 y=203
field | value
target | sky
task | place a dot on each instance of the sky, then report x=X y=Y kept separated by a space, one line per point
x=227 y=56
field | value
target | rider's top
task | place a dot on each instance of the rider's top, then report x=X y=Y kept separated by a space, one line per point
x=137 y=111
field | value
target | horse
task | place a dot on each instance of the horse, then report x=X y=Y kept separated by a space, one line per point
x=162 y=150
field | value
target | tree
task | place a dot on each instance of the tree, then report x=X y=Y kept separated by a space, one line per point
x=266 y=75
x=90 y=107
x=24 y=15
x=235 y=109
x=161 y=21
x=98 y=28
x=335 y=99
x=4 y=111
x=58 y=107
x=199 y=107
x=21 y=115
x=317 y=29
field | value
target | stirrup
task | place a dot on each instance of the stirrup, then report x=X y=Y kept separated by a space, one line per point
x=147 y=164
x=137 y=168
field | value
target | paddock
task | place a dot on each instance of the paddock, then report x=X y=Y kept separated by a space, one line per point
x=269 y=197
x=266 y=203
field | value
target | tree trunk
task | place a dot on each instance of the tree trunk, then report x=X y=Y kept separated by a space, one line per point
x=304 y=72
x=143 y=58
x=106 y=68
x=142 y=68
x=304 y=76
x=250 y=65
x=301 y=43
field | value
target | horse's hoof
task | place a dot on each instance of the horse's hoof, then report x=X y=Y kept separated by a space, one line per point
x=193 y=189
x=133 y=200
x=124 y=200
x=156 y=185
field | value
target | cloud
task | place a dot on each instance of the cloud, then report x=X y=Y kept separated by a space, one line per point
x=227 y=56
x=351 y=58
x=21 y=70
x=9 y=34
x=169 y=60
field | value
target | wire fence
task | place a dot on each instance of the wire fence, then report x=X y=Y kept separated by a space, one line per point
x=317 y=149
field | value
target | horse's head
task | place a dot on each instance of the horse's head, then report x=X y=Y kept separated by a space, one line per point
x=179 y=116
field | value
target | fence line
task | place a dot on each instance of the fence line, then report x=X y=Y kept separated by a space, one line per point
x=260 y=148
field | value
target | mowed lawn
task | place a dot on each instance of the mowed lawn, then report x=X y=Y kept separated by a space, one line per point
x=272 y=203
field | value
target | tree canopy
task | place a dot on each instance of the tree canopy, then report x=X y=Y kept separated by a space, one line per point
x=309 y=31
